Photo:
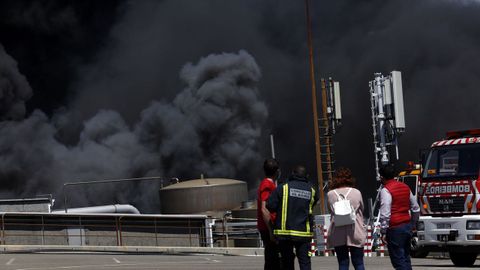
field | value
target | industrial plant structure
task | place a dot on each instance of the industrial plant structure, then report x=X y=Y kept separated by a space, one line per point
x=194 y=213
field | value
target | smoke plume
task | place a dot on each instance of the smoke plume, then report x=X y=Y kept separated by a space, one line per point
x=211 y=127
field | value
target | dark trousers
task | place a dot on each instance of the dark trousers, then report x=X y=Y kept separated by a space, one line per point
x=301 y=250
x=271 y=252
x=343 y=259
x=398 y=244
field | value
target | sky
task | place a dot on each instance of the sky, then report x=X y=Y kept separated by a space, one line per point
x=94 y=90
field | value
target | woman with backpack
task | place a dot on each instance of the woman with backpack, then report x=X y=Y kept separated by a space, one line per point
x=345 y=204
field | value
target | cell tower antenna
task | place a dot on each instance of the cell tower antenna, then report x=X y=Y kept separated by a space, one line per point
x=388 y=122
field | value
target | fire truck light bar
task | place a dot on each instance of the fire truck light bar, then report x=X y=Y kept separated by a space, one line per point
x=463 y=133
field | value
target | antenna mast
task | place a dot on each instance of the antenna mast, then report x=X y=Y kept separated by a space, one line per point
x=332 y=117
x=388 y=119
x=388 y=123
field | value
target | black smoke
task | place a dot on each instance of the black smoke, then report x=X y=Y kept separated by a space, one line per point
x=211 y=127
x=105 y=78
x=14 y=88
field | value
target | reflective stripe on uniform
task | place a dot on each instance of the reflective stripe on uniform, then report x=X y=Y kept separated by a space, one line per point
x=310 y=207
x=283 y=230
x=293 y=233
x=284 y=207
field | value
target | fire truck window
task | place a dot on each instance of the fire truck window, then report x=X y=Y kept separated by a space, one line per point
x=431 y=165
x=469 y=161
x=448 y=162
x=411 y=182
x=458 y=161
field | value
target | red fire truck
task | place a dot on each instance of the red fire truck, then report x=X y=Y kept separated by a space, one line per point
x=449 y=198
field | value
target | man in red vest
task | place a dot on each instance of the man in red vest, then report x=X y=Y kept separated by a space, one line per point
x=399 y=213
x=265 y=219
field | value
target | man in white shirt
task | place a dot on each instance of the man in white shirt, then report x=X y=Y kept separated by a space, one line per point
x=399 y=213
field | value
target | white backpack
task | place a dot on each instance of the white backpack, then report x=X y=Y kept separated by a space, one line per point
x=343 y=212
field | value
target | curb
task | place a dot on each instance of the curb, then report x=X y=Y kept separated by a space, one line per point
x=134 y=249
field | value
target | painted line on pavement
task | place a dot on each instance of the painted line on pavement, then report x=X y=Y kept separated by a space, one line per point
x=10 y=261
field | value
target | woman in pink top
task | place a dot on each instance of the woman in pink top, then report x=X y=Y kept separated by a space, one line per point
x=347 y=238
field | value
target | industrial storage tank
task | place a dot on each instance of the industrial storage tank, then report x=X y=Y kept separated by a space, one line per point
x=203 y=196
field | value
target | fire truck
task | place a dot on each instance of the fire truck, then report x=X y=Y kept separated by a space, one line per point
x=449 y=198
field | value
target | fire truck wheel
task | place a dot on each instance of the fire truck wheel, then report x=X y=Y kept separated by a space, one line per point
x=415 y=250
x=463 y=259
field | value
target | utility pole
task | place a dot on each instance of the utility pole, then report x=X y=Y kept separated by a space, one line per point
x=315 y=112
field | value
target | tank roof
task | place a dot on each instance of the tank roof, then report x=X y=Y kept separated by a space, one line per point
x=206 y=182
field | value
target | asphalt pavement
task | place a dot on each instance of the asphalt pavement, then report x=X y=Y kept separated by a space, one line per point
x=106 y=261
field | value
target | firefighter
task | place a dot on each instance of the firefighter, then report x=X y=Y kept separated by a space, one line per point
x=293 y=202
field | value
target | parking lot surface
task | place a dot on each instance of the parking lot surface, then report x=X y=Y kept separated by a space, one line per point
x=105 y=261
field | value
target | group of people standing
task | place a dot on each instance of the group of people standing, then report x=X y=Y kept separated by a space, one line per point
x=285 y=218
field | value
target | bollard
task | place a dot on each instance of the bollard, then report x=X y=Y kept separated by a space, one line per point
x=313 y=249
x=325 y=236
x=368 y=243
x=382 y=249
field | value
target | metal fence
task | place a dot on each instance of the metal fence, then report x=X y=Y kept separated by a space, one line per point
x=83 y=229
x=105 y=229
x=236 y=232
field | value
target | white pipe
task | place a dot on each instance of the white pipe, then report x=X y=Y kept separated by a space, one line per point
x=209 y=222
x=113 y=208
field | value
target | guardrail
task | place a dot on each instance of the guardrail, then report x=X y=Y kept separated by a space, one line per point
x=237 y=232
